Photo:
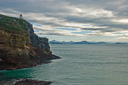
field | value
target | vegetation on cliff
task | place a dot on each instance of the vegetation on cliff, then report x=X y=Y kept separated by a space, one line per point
x=12 y=23
x=19 y=46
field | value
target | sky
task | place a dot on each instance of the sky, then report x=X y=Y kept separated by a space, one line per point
x=73 y=20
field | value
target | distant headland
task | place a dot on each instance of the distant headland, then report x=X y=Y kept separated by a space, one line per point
x=84 y=42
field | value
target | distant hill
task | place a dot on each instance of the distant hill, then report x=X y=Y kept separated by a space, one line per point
x=81 y=42
x=71 y=42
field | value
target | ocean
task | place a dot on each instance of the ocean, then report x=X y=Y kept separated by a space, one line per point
x=81 y=64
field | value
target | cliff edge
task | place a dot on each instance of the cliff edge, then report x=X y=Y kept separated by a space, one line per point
x=20 y=47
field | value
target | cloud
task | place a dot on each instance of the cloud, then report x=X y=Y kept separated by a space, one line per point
x=100 y=17
x=57 y=32
x=124 y=39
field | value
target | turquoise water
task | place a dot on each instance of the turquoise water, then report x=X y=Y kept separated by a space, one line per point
x=105 y=64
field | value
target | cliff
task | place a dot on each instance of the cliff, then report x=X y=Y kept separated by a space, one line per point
x=19 y=46
x=37 y=41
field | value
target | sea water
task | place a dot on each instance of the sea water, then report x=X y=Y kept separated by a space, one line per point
x=81 y=64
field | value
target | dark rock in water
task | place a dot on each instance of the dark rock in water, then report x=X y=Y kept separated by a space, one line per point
x=24 y=82
x=32 y=82
x=55 y=57
x=1 y=74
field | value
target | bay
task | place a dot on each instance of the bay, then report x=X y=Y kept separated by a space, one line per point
x=81 y=64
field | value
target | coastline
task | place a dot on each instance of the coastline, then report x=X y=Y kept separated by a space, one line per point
x=27 y=81
x=21 y=48
x=52 y=57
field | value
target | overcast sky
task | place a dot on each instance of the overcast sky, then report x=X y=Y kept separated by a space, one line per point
x=73 y=20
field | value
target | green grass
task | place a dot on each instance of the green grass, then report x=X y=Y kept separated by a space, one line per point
x=47 y=50
x=12 y=23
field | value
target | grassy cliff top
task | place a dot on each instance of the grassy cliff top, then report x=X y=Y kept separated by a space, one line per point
x=11 y=23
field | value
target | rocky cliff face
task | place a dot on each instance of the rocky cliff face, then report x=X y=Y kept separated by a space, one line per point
x=19 y=46
x=37 y=41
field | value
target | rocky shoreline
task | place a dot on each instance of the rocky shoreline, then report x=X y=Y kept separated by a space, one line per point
x=27 y=81
x=31 y=65
x=24 y=82
x=21 y=48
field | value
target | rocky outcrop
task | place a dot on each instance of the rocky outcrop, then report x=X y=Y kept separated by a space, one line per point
x=36 y=41
x=24 y=82
x=19 y=46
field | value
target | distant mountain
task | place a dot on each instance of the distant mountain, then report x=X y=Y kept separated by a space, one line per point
x=55 y=42
x=121 y=43
x=71 y=42
x=82 y=42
